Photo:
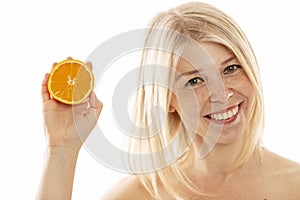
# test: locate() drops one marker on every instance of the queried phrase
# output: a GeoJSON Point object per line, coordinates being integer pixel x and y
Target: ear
{"type": "Point", "coordinates": [171, 109]}
{"type": "Point", "coordinates": [172, 104]}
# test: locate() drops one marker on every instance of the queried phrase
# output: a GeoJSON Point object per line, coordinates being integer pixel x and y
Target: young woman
{"type": "Point", "coordinates": [213, 98]}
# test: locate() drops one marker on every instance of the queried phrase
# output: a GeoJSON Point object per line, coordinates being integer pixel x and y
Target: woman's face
{"type": "Point", "coordinates": [218, 94]}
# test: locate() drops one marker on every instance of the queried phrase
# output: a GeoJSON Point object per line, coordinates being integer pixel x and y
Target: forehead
{"type": "Point", "coordinates": [215, 54]}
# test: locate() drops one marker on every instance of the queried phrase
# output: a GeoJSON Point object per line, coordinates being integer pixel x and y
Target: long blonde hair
{"type": "Point", "coordinates": [201, 22]}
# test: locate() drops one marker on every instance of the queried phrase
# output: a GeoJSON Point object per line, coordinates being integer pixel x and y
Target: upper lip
{"type": "Point", "coordinates": [223, 110]}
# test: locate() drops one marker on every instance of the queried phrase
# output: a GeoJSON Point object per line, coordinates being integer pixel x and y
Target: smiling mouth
{"type": "Point", "coordinates": [227, 116]}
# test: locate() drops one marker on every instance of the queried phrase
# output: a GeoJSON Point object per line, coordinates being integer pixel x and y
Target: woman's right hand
{"type": "Point", "coordinates": [65, 126]}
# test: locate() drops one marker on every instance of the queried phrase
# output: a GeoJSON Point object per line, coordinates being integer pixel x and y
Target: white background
{"type": "Point", "coordinates": [34, 34]}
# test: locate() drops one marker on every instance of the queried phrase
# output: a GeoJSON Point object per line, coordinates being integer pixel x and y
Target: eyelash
{"type": "Point", "coordinates": [199, 80]}
{"type": "Point", "coordinates": [235, 66]}
{"type": "Point", "coordinates": [192, 83]}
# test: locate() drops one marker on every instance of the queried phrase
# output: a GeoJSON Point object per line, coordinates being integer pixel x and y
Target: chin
{"type": "Point", "coordinates": [230, 138]}
{"type": "Point", "coordinates": [226, 136]}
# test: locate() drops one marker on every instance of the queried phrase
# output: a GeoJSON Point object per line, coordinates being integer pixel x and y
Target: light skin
{"type": "Point", "coordinates": [207, 173]}
{"type": "Point", "coordinates": [63, 142]}
{"type": "Point", "coordinates": [276, 178]}
{"type": "Point", "coordinates": [238, 94]}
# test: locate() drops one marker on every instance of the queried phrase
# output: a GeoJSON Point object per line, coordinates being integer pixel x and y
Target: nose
{"type": "Point", "coordinates": [228, 93]}
{"type": "Point", "coordinates": [221, 96]}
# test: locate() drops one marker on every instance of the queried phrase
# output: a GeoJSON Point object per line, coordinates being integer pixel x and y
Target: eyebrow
{"type": "Point", "coordinates": [228, 60]}
{"type": "Point", "coordinates": [187, 73]}
{"type": "Point", "coordinates": [199, 71]}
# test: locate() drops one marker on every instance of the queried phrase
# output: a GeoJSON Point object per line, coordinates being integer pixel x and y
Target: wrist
{"type": "Point", "coordinates": [60, 150]}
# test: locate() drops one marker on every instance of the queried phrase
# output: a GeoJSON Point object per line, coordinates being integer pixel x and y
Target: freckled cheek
{"type": "Point", "coordinates": [192, 102]}
{"type": "Point", "coordinates": [188, 105]}
{"type": "Point", "coordinates": [245, 88]}
{"type": "Point", "coordinates": [203, 97]}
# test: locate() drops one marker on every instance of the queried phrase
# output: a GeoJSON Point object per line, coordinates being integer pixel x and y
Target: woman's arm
{"type": "Point", "coordinates": [66, 128]}
{"type": "Point", "coordinates": [58, 175]}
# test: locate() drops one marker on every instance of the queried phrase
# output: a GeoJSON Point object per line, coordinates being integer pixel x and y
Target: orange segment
{"type": "Point", "coordinates": [71, 82]}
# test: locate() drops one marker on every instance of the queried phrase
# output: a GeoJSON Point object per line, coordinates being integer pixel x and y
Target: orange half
{"type": "Point", "coordinates": [70, 82]}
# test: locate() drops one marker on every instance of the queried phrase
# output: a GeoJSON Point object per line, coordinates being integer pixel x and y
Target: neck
{"type": "Point", "coordinates": [221, 156]}
{"type": "Point", "coordinates": [213, 166]}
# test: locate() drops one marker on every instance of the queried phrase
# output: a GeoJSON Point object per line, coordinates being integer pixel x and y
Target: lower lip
{"type": "Point", "coordinates": [227, 121]}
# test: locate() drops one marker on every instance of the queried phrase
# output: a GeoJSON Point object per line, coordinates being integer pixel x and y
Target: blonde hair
{"type": "Point", "coordinates": [201, 22]}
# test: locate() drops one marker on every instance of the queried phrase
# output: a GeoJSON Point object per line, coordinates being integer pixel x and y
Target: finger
{"type": "Point", "coordinates": [95, 104]}
{"type": "Point", "coordinates": [44, 91]}
{"type": "Point", "coordinates": [90, 65]}
{"type": "Point", "coordinates": [81, 106]}
{"type": "Point", "coordinates": [53, 65]}
{"type": "Point", "coordinates": [69, 58]}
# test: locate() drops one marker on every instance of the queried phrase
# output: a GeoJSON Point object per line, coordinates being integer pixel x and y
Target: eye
{"type": "Point", "coordinates": [194, 81]}
{"type": "Point", "coordinates": [231, 68]}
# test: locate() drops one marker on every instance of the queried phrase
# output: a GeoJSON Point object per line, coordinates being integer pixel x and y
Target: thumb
{"type": "Point", "coordinates": [95, 104]}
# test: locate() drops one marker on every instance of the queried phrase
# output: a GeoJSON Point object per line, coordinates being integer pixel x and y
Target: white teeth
{"type": "Point", "coordinates": [220, 116]}
{"type": "Point", "coordinates": [225, 115]}
{"type": "Point", "coordinates": [230, 114]}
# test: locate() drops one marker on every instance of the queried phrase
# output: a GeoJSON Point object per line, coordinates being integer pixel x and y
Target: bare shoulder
{"type": "Point", "coordinates": [284, 171]}
{"type": "Point", "coordinates": [127, 188]}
